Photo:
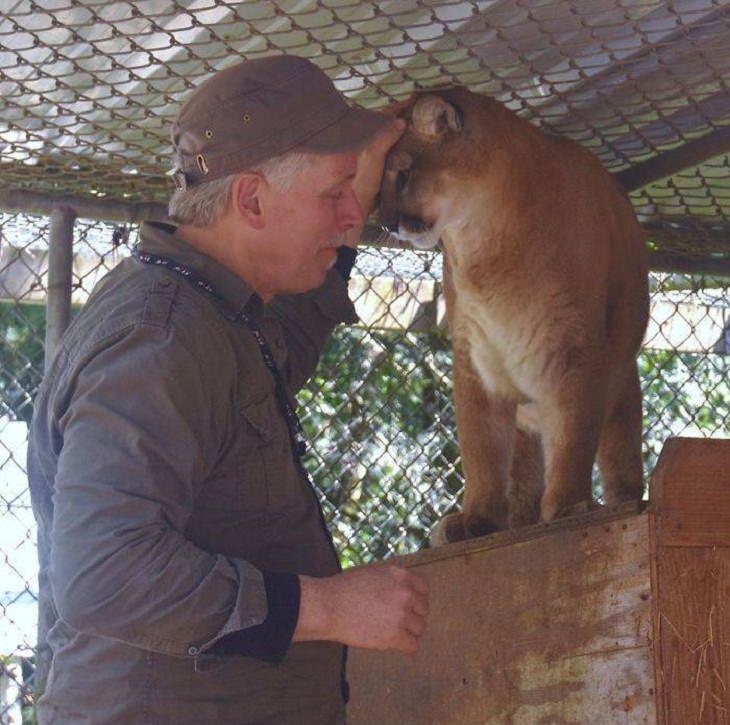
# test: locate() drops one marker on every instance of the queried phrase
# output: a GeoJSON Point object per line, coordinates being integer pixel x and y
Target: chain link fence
{"type": "Point", "coordinates": [88, 90]}
{"type": "Point", "coordinates": [378, 410]}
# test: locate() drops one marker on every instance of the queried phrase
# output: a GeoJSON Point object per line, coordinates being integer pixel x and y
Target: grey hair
{"type": "Point", "coordinates": [205, 203]}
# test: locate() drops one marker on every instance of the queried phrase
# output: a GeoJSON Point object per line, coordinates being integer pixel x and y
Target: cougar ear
{"type": "Point", "coordinates": [433, 116]}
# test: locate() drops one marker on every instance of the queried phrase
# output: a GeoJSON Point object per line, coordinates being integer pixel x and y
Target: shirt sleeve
{"type": "Point", "coordinates": [307, 320]}
{"type": "Point", "coordinates": [269, 640]}
{"type": "Point", "coordinates": [141, 430]}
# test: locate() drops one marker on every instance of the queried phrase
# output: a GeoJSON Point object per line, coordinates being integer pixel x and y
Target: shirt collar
{"type": "Point", "coordinates": [159, 238]}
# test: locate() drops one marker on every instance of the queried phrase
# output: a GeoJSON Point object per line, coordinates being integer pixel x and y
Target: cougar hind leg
{"type": "Point", "coordinates": [619, 445]}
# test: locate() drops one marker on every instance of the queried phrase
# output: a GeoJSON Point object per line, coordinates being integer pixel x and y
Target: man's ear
{"type": "Point", "coordinates": [246, 198]}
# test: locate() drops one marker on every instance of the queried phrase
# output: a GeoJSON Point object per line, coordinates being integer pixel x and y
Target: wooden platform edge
{"type": "Point", "coordinates": [547, 625]}
{"type": "Point", "coordinates": [690, 487]}
{"type": "Point", "coordinates": [528, 533]}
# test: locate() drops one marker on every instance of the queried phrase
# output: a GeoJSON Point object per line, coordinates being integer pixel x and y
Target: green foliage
{"type": "Point", "coordinates": [684, 394]}
{"type": "Point", "coordinates": [27, 694]}
{"type": "Point", "coordinates": [379, 414]}
{"type": "Point", "coordinates": [386, 459]}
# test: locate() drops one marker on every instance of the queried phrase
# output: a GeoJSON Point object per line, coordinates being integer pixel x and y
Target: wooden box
{"type": "Point", "coordinates": [619, 616]}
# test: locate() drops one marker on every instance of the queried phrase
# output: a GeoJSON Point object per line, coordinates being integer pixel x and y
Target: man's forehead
{"type": "Point", "coordinates": [325, 171]}
{"type": "Point", "coordinates": [341, 166]}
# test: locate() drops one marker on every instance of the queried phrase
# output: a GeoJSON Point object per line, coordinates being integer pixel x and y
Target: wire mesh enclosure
{"type": "Point", "coordinates": [378, 411]}
{"type": "Point", "coordinates": [88, 90]}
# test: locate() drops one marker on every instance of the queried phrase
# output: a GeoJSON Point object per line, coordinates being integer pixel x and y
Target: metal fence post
{"type": "Point", "coordinates": [60, 267]}
{"type": "Point", "coordinates": [58, 315]}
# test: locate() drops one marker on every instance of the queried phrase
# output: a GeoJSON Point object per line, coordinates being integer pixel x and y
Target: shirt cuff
{"type": "Point", "coordinates": [345, 261]}
{"type": "Point", "coordinates": [269, 640]}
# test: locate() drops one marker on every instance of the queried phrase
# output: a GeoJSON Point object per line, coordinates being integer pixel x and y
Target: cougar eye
{"type": "Point", "coordinates": [402, 179]}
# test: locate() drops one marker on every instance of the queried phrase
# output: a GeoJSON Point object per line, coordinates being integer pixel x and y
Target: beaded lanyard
{"type": "Point", "coordinates": [292, 421]}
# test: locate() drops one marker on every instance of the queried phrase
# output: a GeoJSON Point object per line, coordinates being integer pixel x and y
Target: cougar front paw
{"type": "Point", "coordinates": [457, 527]}
{"type": "Point", "coordinates": [576, 509]}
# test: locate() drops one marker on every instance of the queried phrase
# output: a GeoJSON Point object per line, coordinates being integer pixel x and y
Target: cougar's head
{"type": "Point", "coordinates": [420, 188]}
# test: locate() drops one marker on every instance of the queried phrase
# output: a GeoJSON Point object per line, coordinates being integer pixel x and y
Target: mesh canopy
{"type": "Point", "coordinates": [89, 88]}
{"type": "Point", "coordinates": [88, 92]}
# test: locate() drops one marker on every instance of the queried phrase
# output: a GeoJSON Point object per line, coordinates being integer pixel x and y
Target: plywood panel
{"type": "Point", "coordinates": [552, 629]}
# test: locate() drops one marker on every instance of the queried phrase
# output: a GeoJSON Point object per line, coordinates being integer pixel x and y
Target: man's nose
{"type": "Point", "coordinates": [350, 213]}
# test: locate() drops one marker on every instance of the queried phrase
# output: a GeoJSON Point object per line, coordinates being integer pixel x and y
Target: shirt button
{"type": "Point", "coordinates": [192, 651]}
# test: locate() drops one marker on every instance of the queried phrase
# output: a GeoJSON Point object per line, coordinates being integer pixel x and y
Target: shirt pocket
{"type": "Point", "coordinates": [256, 474]}
{"type": "Point", "coordinates": [262, 458]}
{"type": "Point", "coordinates": [266, 459]}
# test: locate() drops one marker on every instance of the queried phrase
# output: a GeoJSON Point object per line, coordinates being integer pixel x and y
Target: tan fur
{"type": "Point", "coordinates": [546, 289]}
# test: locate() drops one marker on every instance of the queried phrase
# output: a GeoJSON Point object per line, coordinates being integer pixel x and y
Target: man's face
{"type": "Point", "coordinates": [305, 224]}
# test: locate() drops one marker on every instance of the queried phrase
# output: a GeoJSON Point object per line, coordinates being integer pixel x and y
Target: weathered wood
{"type": "Point", "coordinates": [693, 633]}
{"type": "Point", "coordinates": [600, 517]}
{"type": "Point", "coordinates": [691, 490]}
{"type": "Point", "coordinates": [553, 628]}
{"type": "Point", "coordinates": [690, 528]}
{"type": "Point", "coordinates": [608, 618]}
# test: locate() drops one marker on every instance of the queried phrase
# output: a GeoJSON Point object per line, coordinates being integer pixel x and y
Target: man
{"type": "Point", "coordinates": [186, 572]}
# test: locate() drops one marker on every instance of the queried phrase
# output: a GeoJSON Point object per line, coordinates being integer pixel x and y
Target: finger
{"type": "Point", "coordinates": [395, 130]}
{"type": "Point", "coordinates": [418, 582]}
{"type": "Point", "coordinates": [393, 109]}
{"type": "Point", "coordinates": [397, 127]}
{"type": "Point", "coordinates": [399, 573]}
{"type": "Point", "coordinates": [415, 626]}
{"type": "Point", "coordinates": [420, 606]}
{"type": "Point", "coordinates": [408, 644]}
{"type": "Point", "coordinates": [380, 145]}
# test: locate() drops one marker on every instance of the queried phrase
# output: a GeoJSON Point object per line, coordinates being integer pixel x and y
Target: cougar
{"type": "Point", "coordinates": [545, 281]}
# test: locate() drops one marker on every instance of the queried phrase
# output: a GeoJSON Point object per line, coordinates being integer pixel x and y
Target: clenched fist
{"type": "Point", "coordinates": [373, 607]}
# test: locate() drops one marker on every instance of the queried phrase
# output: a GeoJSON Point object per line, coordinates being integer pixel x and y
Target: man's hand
{"type": "Point", "coordinates": [370, 163]}
{"type": "Point", "coordinates": [373, 607]}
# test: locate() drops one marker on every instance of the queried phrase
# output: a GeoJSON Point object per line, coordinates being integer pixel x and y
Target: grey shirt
{"type": "Point", "coordinates": [170, 502]}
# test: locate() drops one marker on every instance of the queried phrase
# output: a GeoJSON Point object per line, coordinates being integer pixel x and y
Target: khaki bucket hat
{"type": "Point", "coordinates": [262, 108]}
